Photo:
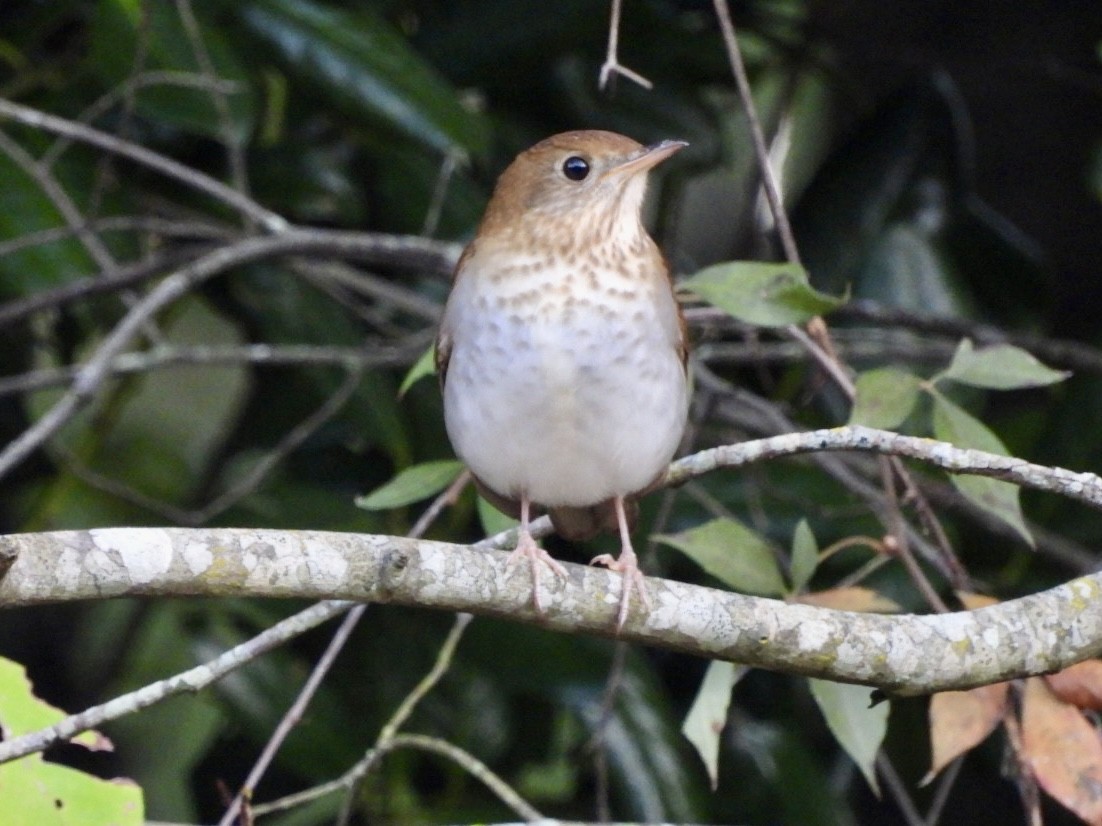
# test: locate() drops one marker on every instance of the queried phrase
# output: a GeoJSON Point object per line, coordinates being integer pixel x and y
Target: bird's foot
{"type": "Point", "coordinates": [628, 568]}
{"type": "Point", "coordinates": [537, 557]}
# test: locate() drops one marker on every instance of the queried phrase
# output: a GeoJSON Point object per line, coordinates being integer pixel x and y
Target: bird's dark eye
{"type": "Point", "coordinates": [575, 168]}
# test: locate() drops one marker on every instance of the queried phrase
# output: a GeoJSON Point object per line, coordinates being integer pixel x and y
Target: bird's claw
{"type": "Point", "coordinates": [536, 556]}
{"type": "Point", "coordinates": [633, 580]}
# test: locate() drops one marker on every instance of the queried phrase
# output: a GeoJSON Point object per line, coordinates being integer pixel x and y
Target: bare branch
{"type": "Point", "coordinates": [140, 155]}
{"type": "Point", "coordinates": [401, 354]}
{"type": "Point", "coordinates": [1074, 355]}
{"type": "Point", "coordinates": [372, 248]}
{"type": "Point", "coordinates": [1082, 487]}
{"type": "Point", "coordinates": [61, 201]}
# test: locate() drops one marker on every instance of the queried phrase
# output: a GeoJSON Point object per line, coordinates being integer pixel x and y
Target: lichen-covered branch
{"type": "Point", "coordinates": [903, 655]}
{"type": "Point", "coordinates": [1082, 487]}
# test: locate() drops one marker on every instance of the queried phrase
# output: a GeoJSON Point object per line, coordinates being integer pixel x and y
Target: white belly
{"type": "Point", "coordinates": [569, 405]}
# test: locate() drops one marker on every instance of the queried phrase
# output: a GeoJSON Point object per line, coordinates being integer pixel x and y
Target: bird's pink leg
{"type": "Point", "coordinates": [627, 565]}
{"type": "Point", "coordinates": [527, 548]}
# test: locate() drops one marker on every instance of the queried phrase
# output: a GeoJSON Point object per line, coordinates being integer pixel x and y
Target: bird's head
{"type": "Point", "coordinates": [575, 187]}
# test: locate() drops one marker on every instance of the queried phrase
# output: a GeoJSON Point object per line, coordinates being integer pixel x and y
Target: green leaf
{"type": "Point", "coordinates": [908, 267]}
{"type": "Point", "coordinates": [160, 639]}
{"type": "Point", "coordinates": [161, 432]}
{"type": "Point", "coordinates": [999, 367]}
{"type": "Point", "coordinates": [708, 715]}
{"type": "Point", "coordinates": [493, 521]}
{"type": "Point", "coordinates": [34, 792]}
{"type": "Point", "coordinates": [424, 366]}
{"type": "Point", "coordinates": [858, 728]}
{"type": "Point", "coordinates": [805, 556]}
{"type": "Point", "coordinates": [733, 554]}
{"type": "Point", "coordinates": [766, 294]}
{"type": "Point", "coordinates": [412, 485]}
{"type": "Point", "coordinates": [359, 64]}
{"type": "Point", "coordinates": [24, 210]}
{"type": "Point", "coordinates": [651, 771]}
{"type": "Point", "coordinates": [885, 398]}
{"type": "Point", "coordinates": [646, 753]}
{"type": "Point", "coordinates": [954, 425]}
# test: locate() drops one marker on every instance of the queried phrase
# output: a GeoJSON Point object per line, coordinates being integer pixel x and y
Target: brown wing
{"type": "Point", "coordinates": [682, 327]}
{"type": "Point", "coordinates": [443, 349]}
{"type": "Point", "coordinates": [442, 353]}
{"type": "Point", "coordinates": [509, 507]}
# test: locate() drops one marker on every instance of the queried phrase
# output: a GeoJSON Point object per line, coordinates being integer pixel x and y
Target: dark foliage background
{"type": "Point", "coordinates": [941, 159]}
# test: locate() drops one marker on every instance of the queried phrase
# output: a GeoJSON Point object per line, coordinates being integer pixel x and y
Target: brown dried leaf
{"type": "Point", "coordinates": [961, 720]}
{"type": "Point", "coordinates": [1079, 684]}
{"type": "Point", "coordinates": [1063, 750]}
{"type": "Point", "coordinates": [854, 598]}
{"type": "Point", "coordinates": [95, 741]}
{"type": "Point", "coordinates": [973, 601]}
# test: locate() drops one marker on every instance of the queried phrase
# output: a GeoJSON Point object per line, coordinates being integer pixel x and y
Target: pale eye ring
{"type": "Point", "coordinates": [575, 168]}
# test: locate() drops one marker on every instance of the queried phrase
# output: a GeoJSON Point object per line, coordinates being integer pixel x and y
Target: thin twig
{"type": "Point", "coordinates": [400, 354]}
{"type": "Point", "coordinates": [143, 35]}
{"type": "Point", "coordinates": [230, 138]}
{"type": "Point", "coordinates": [957, 574]}
{"type": "Point", "coordinates": [378, 249]}
{"type": "Point", "coordinates": [295, 713]}
{"type": "Point", "coordinates": [395, 296]}
{"type": "Point", "coordinates": [124, 92]}
{"type": "Point", "coordinates": [61, 200]}
{"type": "Point", "coordinates": [945, 785]}
{"type": "Point", "coordinates": [321, 668]}
{"type": "Point", "coordinates": [117, 223]}
{"type": "Point", "coordinates": [467, 761]}
{"type": "Point", "coordinates": [389, 731]}
{"type": "Point", "coordinates": [190, 681]}
{"type": "Point", "coordinates": [287, 444]}
{"type": "Point", "coordinates": [1074, 355]}
{"type": "Point", "coordinates": [898, 790]}
{"type": "Point", "coordinates": [757, 136]}
{"type": "Point", "coordinates": [817, 337]}
{"type": "Point", "coordinates": [612, 65]}
{"type": "Point", "coordinates": [902, 549]}
{"type": "Point", "coordinates": [439, 193]}
{"type": "Point", "coordinates": [596, 744]}
{"type": "Point", "coordinates": [444, 500]}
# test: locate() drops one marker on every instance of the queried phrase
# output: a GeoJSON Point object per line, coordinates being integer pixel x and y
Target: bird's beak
{"type": "Point", "coordinates": [647, 157]}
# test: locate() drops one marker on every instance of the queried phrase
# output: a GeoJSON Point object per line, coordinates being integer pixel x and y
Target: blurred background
{"type": "Point", "coordinates": [940, 160]}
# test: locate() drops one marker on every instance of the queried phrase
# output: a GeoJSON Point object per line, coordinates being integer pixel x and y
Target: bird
{"type": "Point", "coordinates": [562, 351]}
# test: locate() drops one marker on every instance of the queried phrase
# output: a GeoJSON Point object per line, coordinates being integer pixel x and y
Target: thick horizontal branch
{"type": "Point", "coordinates": [904, 655]}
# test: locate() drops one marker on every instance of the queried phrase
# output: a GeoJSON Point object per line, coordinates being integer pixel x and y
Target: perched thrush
{"type": "Point", "coordinates": [562, 350]}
